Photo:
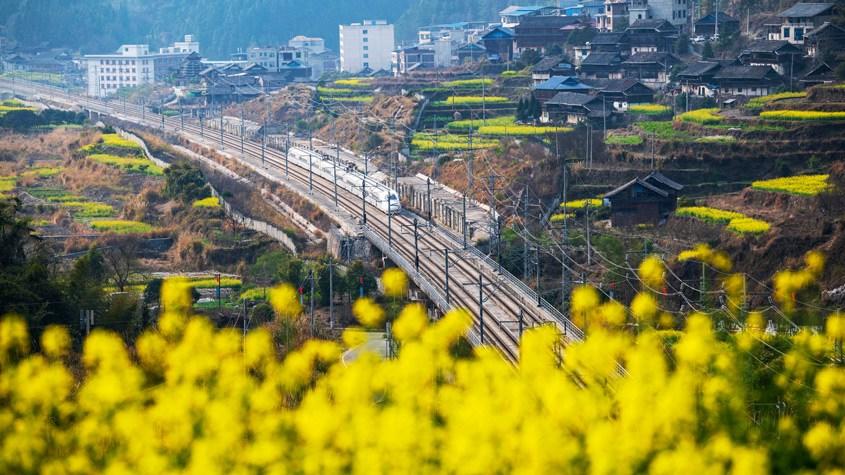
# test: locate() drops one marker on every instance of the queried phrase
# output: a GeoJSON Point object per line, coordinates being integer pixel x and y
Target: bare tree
{"type": "Point", "coordinates": [120, 257]}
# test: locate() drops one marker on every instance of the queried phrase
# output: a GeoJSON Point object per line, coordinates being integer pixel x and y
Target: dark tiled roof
{"type": "Point", "coordinates": [547, 63]}
{"type": "Point", "coordinates": [769, 46]}
{"type": "Point", "coordinates": [614, 85]}
{"type": "Point", "coordinates": [804, 10]}
{"type": "Point", "coordinates": [826, 27]}
{"type": "Point", "coordinates": [744, 72]}
{"type": "Point", "coordinates": [653, 23]}
{"type": "Point", "coordinates": [571, 99]}
{"type": "Point", "coordinates": [601, 59]}
{"type": "Point", "coordinates": [663, 180]}
{"type": "Point", "coordinates": [698, 68]}
{"type": "Point", "coordinates": [652, 57]}
{"type": "Point", "coordinates": [607, 38]}
{"type": "Point", "coordinates": [637, 181]}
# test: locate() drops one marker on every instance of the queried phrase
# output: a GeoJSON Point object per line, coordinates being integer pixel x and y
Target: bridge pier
{"type": "Point", "coordinates": [345, 248]}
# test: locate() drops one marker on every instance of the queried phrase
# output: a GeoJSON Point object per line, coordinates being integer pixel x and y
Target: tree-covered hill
{"type": "Point", "coordinates": [222, 26]}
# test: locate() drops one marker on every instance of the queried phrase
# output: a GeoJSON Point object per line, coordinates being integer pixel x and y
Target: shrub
{"type": "Point", "coordinates": [804, 185]}
{"type": "Point", "coordinates": [809, 116]}
{"type": "Point", "coordinates": [120, 226]}
{"type": "Point", "coordinates": [702, 116]}
{"type": "Point", "coordinates": [649, 109]}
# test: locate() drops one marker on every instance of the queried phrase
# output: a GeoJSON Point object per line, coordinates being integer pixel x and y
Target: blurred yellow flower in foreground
{"type": "Point", "coordinates": [395, 282]}
{"type": "Point", "coordinates": [285, 300]}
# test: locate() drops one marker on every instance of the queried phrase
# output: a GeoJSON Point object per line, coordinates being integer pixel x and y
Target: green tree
{"type": "Point", "coordinates": [358, 278]}
{"type": "Point", "coordinates": [185, 182]}
{"type": "Point", "coordinates": [707, 51]}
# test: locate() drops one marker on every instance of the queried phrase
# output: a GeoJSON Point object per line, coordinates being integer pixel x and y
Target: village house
{"type": "Point", "coordinates": [697, 79]}
{"type": "Point", "coordinates": [649, 200]}
{"type": "Point", "coordinates": [653, 69]}
{"type": "Point", "coordinates": [799, 20]}
{"type": "Point", "coordinates": [618, 94]}
{"type": "Point", "coordinates": [706, 26]}
{"type": "Point", "coordinates": [820, 73]}
{"type": "Point", "coordinates": [601, 66]}
{"type": "Point", "coordinates": [471, 52]}
{"type": "Point", "coordinates": [551, 66]}
{"type": "Point", "coordinates": [749, 81]}
{"type": "Point", "coordinates": [555, 84]}
{"type": "Point", "coordinates": [573, 108]}
{"type": "Point", "coordinates": [652, 36]}
{"type": "Point", "coordinates": [541, 32]}
{"type": "Point", "coordinates": [824, 41]}
{"type": "Point", "coordinates": [610, 43]}
{"type": "Point", "coordinates": [782, 56]}
{"type": "Point", "coordinates": [615, 16]}
{"type": "Point", "coordinates": [499, 44]}
{"type": "Point", "coordinates": [515, 14]}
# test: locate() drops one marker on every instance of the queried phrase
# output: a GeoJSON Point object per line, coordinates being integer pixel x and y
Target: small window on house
{"type": "Point", "coordinates": [366, 56]}
{"type": "Point", "coordinates": [365, 32]}
{"type": "Point", "coordinates": [786, 32]}
{"type": "Point", "coordinates": [366, 40]}
{"type": "Point", "coordinates": [366, 47]}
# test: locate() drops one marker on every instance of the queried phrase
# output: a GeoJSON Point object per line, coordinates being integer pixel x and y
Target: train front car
{"type": "Point", "coordinates": [393, 204]}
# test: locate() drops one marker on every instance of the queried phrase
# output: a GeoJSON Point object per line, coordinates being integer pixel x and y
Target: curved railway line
{"type": "Point", "coordinates": [495, 299]}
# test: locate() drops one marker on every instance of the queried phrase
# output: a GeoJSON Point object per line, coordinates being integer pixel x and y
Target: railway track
{"type": "Point", "coordinates": [497, 301]}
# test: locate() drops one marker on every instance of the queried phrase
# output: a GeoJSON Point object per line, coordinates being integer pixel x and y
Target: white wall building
{"type": "Point", "coordinates": [134, 65]}
{"type": "Point", "coordinates": [368, 44]}
{"type": "Point", "coordinates": [312, 45]}
{"type": "Point", "coordinates": [677, 12]}
{"type": "Point", "coordinates": [273, 58]}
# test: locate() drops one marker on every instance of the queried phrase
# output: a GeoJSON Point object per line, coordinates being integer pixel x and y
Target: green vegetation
{"type": "Point", "coordinates": [574, 205]}
{"type": "Point", "coordinates": [471, 100]}
{"type": "Point", "coordinates": [55, 195]}
{"type": "Point", "coordinates": [514, 74]}
{"type": "Point", "coordinates": [759, 102]}
{"type": "Point", "coordinates": [211, 282]}
{"type": "Point", "coordinates": [120, 226]}
{"type": "Point", "coordinates": [185, 182]}
{"type": "Point", "coordinates": [128, 164]}
{"type": "Point", "coordinates": [425, 142]}
{"type": "Point", "coordinates": [804, 185]}
{"type": "Point", "coordinates": [49, 78]}
{"type": "Point", "coordinates": [336, 91]}
{"type": "Point", "coordinates": [662, 129]}
{"type": "Point", "coordinates": [358, 99]}
{"type": "Point", "coordinates": [354, 82]}
{"type": "Point", "coordinates": [649, 109]}
{"type": "Point", "coordinates": [702, 116]}
{"type": "Point", "coordinates": [796, 115]}
{"type": "Point", "coordinates": [723, 139]}
{"type": "Point", "coordinates": [615, 139]}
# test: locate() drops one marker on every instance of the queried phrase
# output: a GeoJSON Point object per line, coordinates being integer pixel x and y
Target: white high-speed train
{"type": "Point", "coordinates": [376, 193]}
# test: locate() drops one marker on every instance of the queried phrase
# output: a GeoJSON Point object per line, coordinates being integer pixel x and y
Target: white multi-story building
{"type": "Point", "coordinates": [134, 65]}
{"type": "Point", "coordinates": [312, 45]}
{"type": "Point", "coordinates": [368, 44]}
{"type": "Point", "coordinates": [273, 58]}
{"type": "Point", "coordinates": [676, 12]}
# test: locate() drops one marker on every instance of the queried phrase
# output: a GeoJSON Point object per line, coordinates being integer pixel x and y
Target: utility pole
{"type": "Point", "coordinates": [446, 274]}
{"type": "Point", "coordinates": [310, 173]}
{"type": "Point", "coordinates": [539, 294]}
{"type": "Point", "coordinates": [202, 120]}
{"type": "Point", "coordinates": [587, 233]}
{"type": "Point", "coordinates": [465, 221]}
{"type": "Point", "coordinates": [428, 198]}
{"type": "Point", "coordinates": [311, 303]}
{"type": "Point", "coordinates": [364, 198]}
{"type": "Point", "coordinates": [287, 147]}
{"type": "Point", "coordinates": [481, 305]}
{"type": "Point", "coordinates": [221, 126]}
{"type": "Point", "coordinates": [331, 294]}
{"type": "Point", "coordinates": [243, 129]}
{"type": "Point", "coordinates": [525, 232]}
{"type": "Point", "coordinates": [389, 229]}
{"type": "Point", "coordinates": [181, 115]}
{"type": "Point", "coordinates": [416, 247]}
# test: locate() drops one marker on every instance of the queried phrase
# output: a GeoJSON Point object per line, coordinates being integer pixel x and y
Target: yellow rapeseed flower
{"type": "Point", "coordinates": [652, 272]}
{"type": "Point", "coordinates": [368, 312]}
{"type": "Point", "coordinates": [395, 282]}
{"type": "Point", "coordinates": [285, 301]}
{"type": "Point", "coordinates": [55, 341]}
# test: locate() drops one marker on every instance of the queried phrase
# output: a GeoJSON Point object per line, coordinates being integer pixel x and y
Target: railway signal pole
{"type": "Point", "coordinates": [416, 246]}
{"type": "Point", "coordinates": [446, 252]}
{"type": "Point", "coordinates": [310, 173]}
{"type": "Point", "coordinates": [364, 199]}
